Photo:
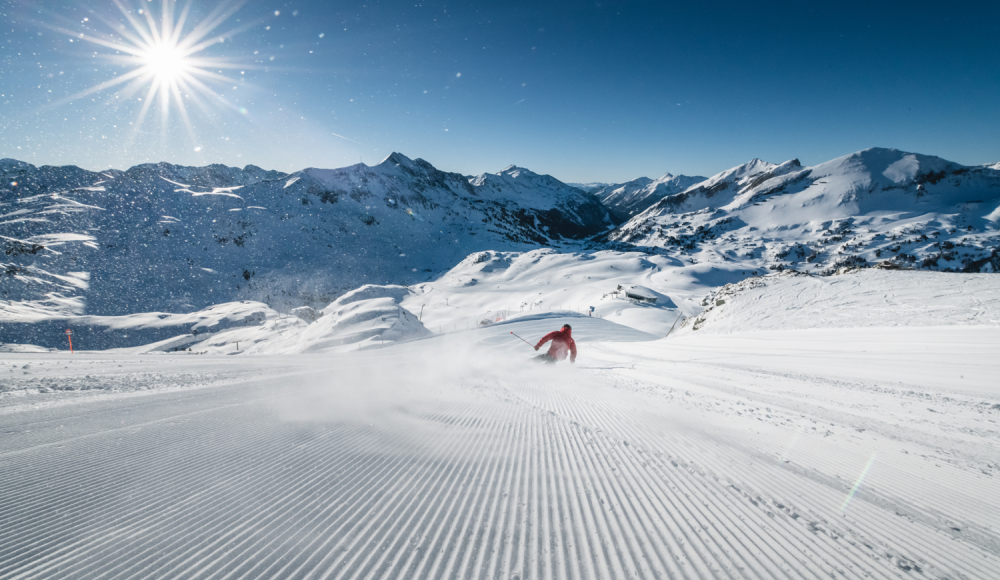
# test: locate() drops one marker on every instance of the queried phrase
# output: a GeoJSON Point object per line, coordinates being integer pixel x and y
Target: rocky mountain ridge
{"type": "Point", "coordinates": [161, 237]}
{"type": "Point", "coordinates": [877, 205]}
{"type": "Point", "coordinates": [632, 197]}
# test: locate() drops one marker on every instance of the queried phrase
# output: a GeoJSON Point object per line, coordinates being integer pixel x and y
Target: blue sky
{"type": "Point", "coordinates": [585, 91]}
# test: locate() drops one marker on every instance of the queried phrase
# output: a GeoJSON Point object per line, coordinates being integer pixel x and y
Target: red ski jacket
{"type": "Point", "coordinates": [562, 342]}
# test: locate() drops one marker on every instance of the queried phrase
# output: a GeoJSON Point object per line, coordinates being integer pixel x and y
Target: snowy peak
{"type": "Point", "coordinates": [207, 177]}
{"type": "Point", "coordinates": [720, 189]}
{"type": "Point", "coordinates": [741, 176]}
{"type": "Point", "coordinates": [518, 178]}
{"type": "Point", "coordinates": [14, 166]}
{"type": "Point", "coordinates": [870, 206]}
{"type": "Point", "coordinates": [635, 196]}
{"type": "Point", "coordinates": [871, 161]}
{"type": "Point", "coordinates": [515, 172]}
{"type": "Point", "coordinates": [753, 167]}
{"type": "Point", "coordinates": [878, 178]}
{"type": "Point", "coordinates": [527, 188]}
{"type": "Point", "coordinates": [397, 160]}
{"type": "Point", "coordinates": [886, 166]}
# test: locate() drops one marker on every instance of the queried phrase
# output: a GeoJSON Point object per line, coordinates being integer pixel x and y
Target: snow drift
{"type": "Point", "coordinates": [866, 298]}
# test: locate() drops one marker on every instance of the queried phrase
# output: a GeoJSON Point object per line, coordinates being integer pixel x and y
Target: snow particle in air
{"type": "Point", "coordinates": [458, 75]}
{"type": "Point", "coordinates": [322, 34]}
{"type": "Point", "coordinates": [277, 12]}
{"type": "Point", "coordinates": [197, 149]}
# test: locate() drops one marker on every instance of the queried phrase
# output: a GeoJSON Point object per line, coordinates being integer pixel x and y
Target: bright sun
{"type": "Point", "coordinates": [165, 62]}
{"type": "Point", "coordinates": [168, 66]}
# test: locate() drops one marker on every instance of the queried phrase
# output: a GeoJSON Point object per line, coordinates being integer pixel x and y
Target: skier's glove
{"type": "Point", "coordinates": [536, 348]}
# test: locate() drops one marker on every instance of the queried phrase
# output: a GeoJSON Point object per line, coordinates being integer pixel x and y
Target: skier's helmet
{"type": "Point", "coordinates": [567, 327]}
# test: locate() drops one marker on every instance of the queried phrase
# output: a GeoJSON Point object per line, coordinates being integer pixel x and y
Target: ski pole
{"type": "Point", "coordinates": [525, 342]}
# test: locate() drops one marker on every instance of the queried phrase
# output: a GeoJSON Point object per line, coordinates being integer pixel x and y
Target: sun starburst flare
{"type": "Point", "coordinates": [168, 64]}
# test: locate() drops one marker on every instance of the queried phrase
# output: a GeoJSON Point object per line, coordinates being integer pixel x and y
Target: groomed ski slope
{"type": "Point", "coordinates": [777, 454]}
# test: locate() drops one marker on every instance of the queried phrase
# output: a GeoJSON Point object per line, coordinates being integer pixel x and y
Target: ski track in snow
{"type": "Point", "coordinates": [666, 459]}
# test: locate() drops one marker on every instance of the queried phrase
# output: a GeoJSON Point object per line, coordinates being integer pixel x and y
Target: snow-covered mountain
{"type": "Point", "coordinates": [164, 240]}
{"type": "Point", "coordinates": [876, 205]}
{"type": "Point", "coordinates": [559, 209]}
{"type": "Point", "coordinates": [632, 197]}
{"type": "Point", "coordinates": [162, 237]}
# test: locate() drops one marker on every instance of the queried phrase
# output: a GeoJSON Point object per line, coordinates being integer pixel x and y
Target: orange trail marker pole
{"type": "Point", "coordinates": [69, 336]}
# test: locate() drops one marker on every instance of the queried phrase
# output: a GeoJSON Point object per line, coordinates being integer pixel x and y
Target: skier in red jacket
{"type": "Point", "coordinates": [562, 343]}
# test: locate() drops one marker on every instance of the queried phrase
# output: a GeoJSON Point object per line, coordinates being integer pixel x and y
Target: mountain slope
{"type": "Point", "coordinates": [871, 206]}
{"type": "Point", "coordinates": [161, 237]}
{"type": "Point", "coordinates": [632, 197]}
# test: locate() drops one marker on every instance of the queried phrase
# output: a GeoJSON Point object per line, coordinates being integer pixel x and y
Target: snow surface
{"type": "Point", "coordinates": [887, 299]}
{"type": "Point", "coordinates": [832, 449]}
